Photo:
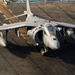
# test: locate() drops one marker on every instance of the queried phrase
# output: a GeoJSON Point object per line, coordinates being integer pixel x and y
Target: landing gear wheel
{"type": "Point", "coordinates": [43, 51]}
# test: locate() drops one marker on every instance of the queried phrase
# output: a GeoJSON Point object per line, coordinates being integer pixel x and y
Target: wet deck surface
{"type": "Point", "coordinates": [19, 58]}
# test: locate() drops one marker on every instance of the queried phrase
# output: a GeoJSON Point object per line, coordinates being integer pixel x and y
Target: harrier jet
{"type": "Point", "coordinates": [44, 33]}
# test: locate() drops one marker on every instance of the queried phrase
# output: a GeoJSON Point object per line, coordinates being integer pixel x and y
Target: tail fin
{"type": "Point", "coordinates": [28, 8]}
{"type": "Point", "coordinates": [28, 12]}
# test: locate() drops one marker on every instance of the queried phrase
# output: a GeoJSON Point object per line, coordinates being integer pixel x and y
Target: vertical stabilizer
{"type": "Point", "coordinates": [28, 8]}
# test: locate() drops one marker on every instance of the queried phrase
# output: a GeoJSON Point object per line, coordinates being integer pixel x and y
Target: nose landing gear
{"type": "Point", "coordinates": [43, 51]}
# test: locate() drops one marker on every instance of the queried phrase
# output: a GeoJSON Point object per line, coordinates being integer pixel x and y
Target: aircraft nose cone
{"type": "Point", "coordinates": [54, 44]}
{"type": "Point", "coordinates": [57, 45]}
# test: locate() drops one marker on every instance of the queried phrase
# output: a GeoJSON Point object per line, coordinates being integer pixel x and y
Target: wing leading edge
{"type": "Point", "coordinates": [63, 25]}
{"type": "Point", "coordinates": [16, 25]}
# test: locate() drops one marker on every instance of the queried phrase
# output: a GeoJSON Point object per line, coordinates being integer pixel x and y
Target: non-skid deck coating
{"type": "Point", "coordinates": [20, 58]}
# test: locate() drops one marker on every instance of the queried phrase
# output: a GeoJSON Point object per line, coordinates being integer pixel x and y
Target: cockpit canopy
{"type": "Point", "coordinates": [51, 30]}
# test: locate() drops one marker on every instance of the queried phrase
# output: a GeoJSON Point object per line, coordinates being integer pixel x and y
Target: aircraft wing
{"type": "Point", "coordinates": [16, 25]}
{"type": "Point", "coordinates": [62, 24]}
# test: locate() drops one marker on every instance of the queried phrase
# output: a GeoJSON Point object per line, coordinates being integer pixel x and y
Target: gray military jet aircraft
{"type": "Point", "coordinates": [44, 33]}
